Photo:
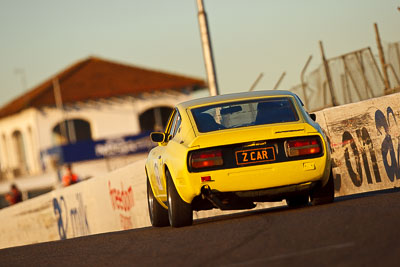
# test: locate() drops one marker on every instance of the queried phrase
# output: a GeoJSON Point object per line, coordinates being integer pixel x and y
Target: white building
{"type": "Point", "coordinates": [93, 102]}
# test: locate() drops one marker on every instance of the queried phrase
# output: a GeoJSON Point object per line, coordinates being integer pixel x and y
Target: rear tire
{"type": "Point", "coordinates": [325, 194]}
{"type": "Point", "coordinates": [157, 213]}
{"type": "Point", "coordinates": [180, 213]}
{"type": "Point", "coordinates": [297, 201]}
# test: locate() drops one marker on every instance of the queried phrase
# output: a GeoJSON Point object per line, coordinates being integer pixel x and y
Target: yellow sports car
{"type": "Point", "coordinates": [230, 151]}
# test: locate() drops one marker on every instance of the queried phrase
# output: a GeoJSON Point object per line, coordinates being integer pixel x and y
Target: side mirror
{"type": "Point", "coordinates": [157, 137]}
{"type": "Point", "coordinates": [313, 116]}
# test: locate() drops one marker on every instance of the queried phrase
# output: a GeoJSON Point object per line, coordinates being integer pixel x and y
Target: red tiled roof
{"type": "Point", "coordinates": [96, 78]}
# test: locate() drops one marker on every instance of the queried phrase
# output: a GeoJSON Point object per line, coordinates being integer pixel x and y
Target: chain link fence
{"type": "Point", "coordinates": [355, 76]}
{"type": "Point", "coordinates": [392, 55]}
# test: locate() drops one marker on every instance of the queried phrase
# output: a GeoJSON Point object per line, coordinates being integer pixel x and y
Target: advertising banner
{"type": "Point", "coordinates": [106, 148]}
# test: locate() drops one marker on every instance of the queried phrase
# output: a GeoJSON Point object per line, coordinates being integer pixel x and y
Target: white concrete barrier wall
{"type": "Point", "coordinates": [365, 144]}
{"type": "Point", "coordinates": [364, 138]}
{"type": "Point", "coordinates": [113, 202]}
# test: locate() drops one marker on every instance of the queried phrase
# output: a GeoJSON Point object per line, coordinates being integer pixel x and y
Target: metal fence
{"type": "Point", "coordinates": [392, 54]}
{"type": "Point", "coordinates": [355, 76]}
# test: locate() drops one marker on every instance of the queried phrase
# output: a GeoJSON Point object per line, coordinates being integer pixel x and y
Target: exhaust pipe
{"type": "Point", "coordinates": [229, 202]}
{"type": "Point", "coordinates": [210, 196]}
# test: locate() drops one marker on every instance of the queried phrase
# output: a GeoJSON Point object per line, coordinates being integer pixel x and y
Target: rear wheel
{"type": "Point", "coordinates": [325, 194]}
{"type": "Point", "coordinates": [158, 214]}
{"type": "Point", "coordinates": [180, 213]}
{"type": "Point", "coordinates": [297, 201]}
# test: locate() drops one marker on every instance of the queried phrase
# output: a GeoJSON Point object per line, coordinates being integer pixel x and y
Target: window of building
{"type": "Point", "coordinates": [5, 161]}
{"type": "Point", "coordinates": [20, 153]}
{"type": "Point", "coordinates": [71, 131]}
{"type": "Point", "coordinates": [154, 119]}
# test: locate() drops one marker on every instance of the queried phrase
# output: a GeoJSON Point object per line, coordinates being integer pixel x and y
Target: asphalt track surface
{"type": "Point", "coordinates": [362, 230]}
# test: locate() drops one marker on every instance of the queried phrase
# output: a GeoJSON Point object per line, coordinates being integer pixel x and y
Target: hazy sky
{"type": "Point", "coordinates": [42, 37]}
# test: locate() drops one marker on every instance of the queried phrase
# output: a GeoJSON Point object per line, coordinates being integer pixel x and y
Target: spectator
{"type": "Point", "coordinates": [70, 178]}
{"type": "Point", "coordinates": [14, 196]}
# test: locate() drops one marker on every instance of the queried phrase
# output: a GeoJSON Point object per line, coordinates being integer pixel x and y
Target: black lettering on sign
{"type": "Point", "coordinates": [58, 211]}
{"type": "Point", "coordinates": [360, 154]}
{"type": "Point", "coordinates": [387, 148]}
{"type": "Point", "coordinates": [337, 179]}
{"type": "Point", "coordinates": [79, 222]}
{"type": "Point", "coordinates": [77, 216]}
{"type": "Point", "coordinates": [356, 177]}
{"type": "Point", "coordinates": [367, 146]}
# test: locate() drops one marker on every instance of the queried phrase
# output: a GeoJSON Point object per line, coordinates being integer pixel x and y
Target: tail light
{"type": "Point", "coordinates": [303, 147]}
{"type": "Point", "coordinates": [206, 159]}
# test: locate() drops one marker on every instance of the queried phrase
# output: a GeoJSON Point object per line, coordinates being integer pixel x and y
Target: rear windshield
{"type": "Point", "coordinates": [245, 113]}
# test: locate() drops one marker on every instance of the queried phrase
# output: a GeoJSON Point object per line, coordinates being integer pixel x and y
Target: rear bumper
{"type": "Point", "coordinates": [263, 180]}
{"type": "Point", "coordinates": [278, 193]}
{"type": "Point", "coordinates": [245, 199]}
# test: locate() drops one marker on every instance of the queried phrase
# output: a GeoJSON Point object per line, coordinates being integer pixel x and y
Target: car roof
{"type": "Point", "coordinates": [235, 96]}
